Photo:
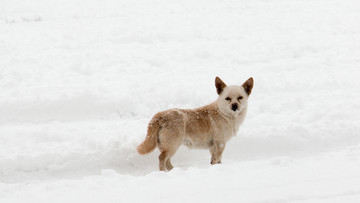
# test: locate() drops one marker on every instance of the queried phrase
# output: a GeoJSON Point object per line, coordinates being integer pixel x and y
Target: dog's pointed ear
{"type": "Point", "coordinates": [248, 85]}
{"type": "Point", "coordinates": [219, 84]}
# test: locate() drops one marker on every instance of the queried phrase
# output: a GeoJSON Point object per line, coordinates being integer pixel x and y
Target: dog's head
{"type": "Point", "coordinates": [233, 99]}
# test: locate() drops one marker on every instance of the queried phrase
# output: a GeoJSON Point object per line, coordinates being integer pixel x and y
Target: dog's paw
{"type": "Point", "coordinates": [215, 162]}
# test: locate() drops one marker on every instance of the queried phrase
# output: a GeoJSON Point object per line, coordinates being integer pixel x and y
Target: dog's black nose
{"type": "Point", "coordinates": [234, 107]}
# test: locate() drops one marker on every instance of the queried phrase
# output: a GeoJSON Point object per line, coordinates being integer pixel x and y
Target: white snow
{"type": "Point", "coordinates": [79, 81]}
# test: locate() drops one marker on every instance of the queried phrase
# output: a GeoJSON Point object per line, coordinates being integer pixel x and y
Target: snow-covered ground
{"type": "Point", "coordinates": [79, 81]}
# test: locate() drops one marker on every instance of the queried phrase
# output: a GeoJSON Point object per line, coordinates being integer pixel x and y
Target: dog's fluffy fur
{"type": "Point", "coordinates": [208, 127]}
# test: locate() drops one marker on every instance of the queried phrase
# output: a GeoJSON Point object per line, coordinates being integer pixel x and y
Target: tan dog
{"type": "Point", "coordinates": [208, 127]}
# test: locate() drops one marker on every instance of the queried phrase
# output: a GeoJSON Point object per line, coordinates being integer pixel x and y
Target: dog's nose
{"type": "Point", "coordinates": [234, 107]}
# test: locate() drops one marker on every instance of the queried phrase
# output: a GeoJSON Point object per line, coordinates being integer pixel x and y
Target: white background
{"type": "Point", "coordinates": [79, 81]}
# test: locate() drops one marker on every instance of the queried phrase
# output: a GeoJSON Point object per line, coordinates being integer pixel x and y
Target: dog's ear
{"type": "Point", "coordinates": [248, 85]}
{"type": "Point", "coordinates": [219, 84]}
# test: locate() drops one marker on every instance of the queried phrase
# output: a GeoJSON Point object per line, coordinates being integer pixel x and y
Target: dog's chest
{"type": "Point", "coordinates": [228, 131]}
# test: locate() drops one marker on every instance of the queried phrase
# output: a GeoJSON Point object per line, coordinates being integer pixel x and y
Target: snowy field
{"type": "Point", "coordinates": [80, 80]}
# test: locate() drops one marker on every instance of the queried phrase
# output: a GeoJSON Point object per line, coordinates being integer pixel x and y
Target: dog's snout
{"type": "Point", "coordinates": [234, 107]}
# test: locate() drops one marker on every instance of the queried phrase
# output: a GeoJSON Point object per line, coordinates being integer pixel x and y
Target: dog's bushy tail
{"type": "Point", "coordinates": [151, 139]}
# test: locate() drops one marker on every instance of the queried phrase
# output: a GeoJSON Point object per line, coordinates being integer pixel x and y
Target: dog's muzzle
{"type": "Point", "coordinates": [234, 107]}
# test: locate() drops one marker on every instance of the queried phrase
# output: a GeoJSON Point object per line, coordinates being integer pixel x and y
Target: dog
{"type": "Point", "coordinates": [207, 127]}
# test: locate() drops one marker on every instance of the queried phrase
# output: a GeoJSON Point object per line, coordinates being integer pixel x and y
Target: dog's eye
{"type": "Point", "coordinates": [240, 98]}
{"type": "Point", "coordinates": [228, 99]}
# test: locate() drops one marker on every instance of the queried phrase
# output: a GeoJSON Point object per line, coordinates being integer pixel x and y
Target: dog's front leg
{"type": "Point", "coordinates": [216, 149]}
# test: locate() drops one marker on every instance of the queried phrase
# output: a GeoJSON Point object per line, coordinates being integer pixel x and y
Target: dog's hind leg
{"type": "Point", "coordinates": [170, 138]}
{"type": "Point", "coordinates": [169, 166]}
{"type": "Point", "coordinates": [166, 154]}
{"type": "Point", "coordinates": [171, 153]}
{"type": "Point", "coordinates": [162, 160]}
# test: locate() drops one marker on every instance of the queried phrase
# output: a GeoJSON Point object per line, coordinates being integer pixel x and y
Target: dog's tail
{"type": "Point", "coordinates": [151, 139]}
